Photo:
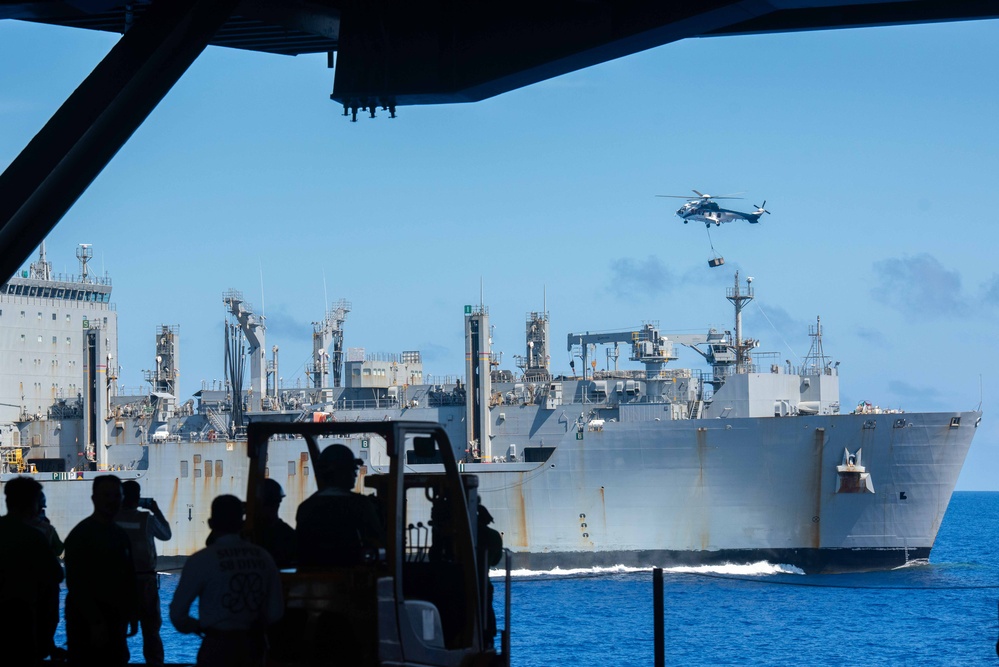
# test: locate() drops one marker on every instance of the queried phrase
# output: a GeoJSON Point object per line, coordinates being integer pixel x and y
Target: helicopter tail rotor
{"type": "Point", "coordinates": [762, 209]}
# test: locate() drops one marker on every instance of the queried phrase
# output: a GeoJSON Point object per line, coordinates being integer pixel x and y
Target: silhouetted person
{"type": "Point", "coordinates": [100, 582]}
{"type": "Point", "coordinates": [275, 535]}
{"type": "Point", "coordinates": [336, 525]}
{"type": "Point", "coordinates": [489, 546]}
{"type": "Point", "coordinates": [48, 531]}
{"type": "Point", "coordinates": [144, 528]}
{"type": "Point", "coordinates": [238, 590]}
{"type": "Point", "coordinates": [29, 578]}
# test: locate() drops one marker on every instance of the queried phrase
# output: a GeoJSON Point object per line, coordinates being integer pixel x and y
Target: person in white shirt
{"type": "Point", "coordinates": [238, 589]}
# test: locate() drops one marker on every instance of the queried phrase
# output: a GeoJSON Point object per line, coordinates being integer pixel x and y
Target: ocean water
{"type": "Point", "coordinates": [939, 613]}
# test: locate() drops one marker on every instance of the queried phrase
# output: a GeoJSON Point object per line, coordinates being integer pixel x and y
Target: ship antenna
{"type": "Point", "coordinates": [84, 253]}
{"type": "Point", "coordinates": [263, 307]}
{"type": "Point", "coordinates": [42, 270]}
{"type": "Point", "coordinates": [326, 296]}
{"type": "Point", "coordinates": [981, 394]}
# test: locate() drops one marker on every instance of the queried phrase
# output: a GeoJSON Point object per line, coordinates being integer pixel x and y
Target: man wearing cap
{"type": "Point", "coordinates": [238, 590]}
{"type": "Point", "coordinates": [275, 535]}
{"type": "Point", "coordinates": [335, 525]}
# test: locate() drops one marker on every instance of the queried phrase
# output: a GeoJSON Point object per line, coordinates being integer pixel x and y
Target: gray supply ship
{"type": "Point", "coordinates": [746, 459]}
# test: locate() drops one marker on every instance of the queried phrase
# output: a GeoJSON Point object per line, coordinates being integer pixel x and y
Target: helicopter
{"type": "Point", "coordinates": [704, 209]}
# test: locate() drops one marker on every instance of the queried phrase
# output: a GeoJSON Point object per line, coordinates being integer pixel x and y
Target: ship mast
{"type": "Point", "coordinates": [325, 333]}
{"type": "Point", "coordinates": [739, 299]}
{"type": "Point", "coordinates": [42, 269]}
{"type": "Point", "coordinates": [816, 362]}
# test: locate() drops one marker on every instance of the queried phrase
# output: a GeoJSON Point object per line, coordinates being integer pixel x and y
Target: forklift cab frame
{"type": "Point", "coordinates": [424, 604]}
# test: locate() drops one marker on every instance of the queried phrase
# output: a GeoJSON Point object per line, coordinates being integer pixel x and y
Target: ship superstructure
{"type": "Point", "coordinates": [59, 345]}
{"type": "Point", "coordinates": [744, 459]}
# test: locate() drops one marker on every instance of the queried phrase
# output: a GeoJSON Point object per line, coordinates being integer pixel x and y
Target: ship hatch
{"type": "Point", "coordinates": [853, 476]}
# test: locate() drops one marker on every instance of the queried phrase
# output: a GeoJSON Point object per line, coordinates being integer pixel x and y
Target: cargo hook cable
{"type": "Point", "coordinates": [711, 243]}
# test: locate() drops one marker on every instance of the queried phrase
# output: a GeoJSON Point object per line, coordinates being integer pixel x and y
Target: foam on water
{"type": "Point", "coordinates": [761, 568]}
{"type": "Point", "coordinates": [915, 562]}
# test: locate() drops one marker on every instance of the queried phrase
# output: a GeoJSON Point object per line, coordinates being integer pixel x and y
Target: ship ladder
{"type": "Point", "coordinates": [217, 422]}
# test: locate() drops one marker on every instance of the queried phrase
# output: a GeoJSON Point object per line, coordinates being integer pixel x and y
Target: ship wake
{"type": "Point", "coordinates": [758, 569]}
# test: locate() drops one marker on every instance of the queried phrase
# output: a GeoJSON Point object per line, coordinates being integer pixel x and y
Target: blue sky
{"type": "Point", "coordinates": [876, 149]}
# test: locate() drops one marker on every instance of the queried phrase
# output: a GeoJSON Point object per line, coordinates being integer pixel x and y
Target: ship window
{"type": "Point", "coordinates": [291, 468]}
{"type": "Point", "coordinates": [955, 422]}
{"type": "Point", "coordinates": [305, 470]}
{"type": "Point", "coordinates": [208, 468]}
{"type": "Point", "coordinates": [183, 468]}
{"type": "Point", "coordinates": [22, 313]}
{"type": "Point", "coordinates": [67, 317]}
{"type": "Point", "coordinates": [218, 468]}
{"type": "Point", "coordinates": [22, 338]}
{"type": "Point", "coordinates": [197, 459]}
{"type": "Point", "coordinates": [53, 317]}
{"type": "Point", "coordinates": [39, 339]}
{"type": "Point", "coordinates": [197, 472]}
{"type": "Point", "coordinates": [55, 339]}
{"type": "Point", "coordinates": [69, 341]}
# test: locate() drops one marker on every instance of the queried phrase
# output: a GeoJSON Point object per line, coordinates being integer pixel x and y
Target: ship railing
{"type": "Point", "coordinates": [437, 399]}
{"type": "Point", "coordinates": [815, 369]}
{"type": "Point", "coordinates": [366, 404]}
{"type": "Point", "coordinates": [134, 391]}
{"type": "Point", "coordinates": [750, 367]}
{"type": "Point", "coordinates": [446, 380]}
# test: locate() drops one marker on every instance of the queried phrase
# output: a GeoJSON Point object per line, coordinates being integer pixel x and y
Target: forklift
{"type": "Point", "coordinates": [424, 600]}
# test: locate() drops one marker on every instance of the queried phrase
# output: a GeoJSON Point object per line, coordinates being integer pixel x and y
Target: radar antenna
{"type": "Point", "coordinates": [816, 360]}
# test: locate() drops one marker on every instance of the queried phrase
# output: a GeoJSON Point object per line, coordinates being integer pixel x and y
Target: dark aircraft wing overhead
{"type": "Point", "coordinates": [427, 52]}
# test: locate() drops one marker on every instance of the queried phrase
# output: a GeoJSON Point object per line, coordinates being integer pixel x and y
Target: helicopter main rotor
{"type": "Point", "coordinates": [703, 197]}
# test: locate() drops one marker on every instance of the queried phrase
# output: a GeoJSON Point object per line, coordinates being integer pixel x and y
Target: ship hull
{"type": "Point", "coordinates": [634, 493]}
